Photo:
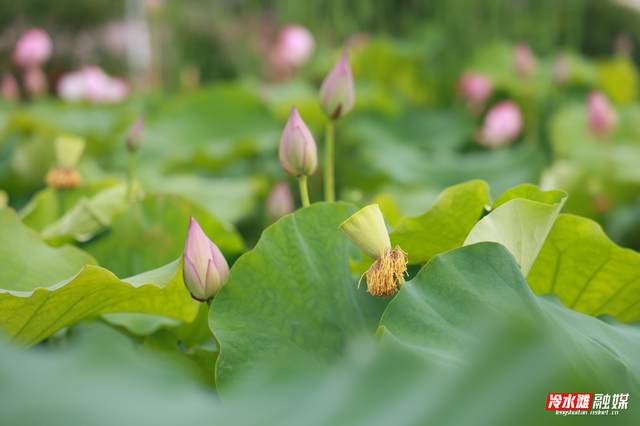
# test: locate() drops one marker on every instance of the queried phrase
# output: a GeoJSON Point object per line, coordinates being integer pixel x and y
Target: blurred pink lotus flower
{"type": "Point", "coordinates": [92, 84]}
{"type": "Point", "coordinates": [502, 125]}
{"type": "Point", "coordinates": [294, 47]}
{"type": "Point", "coordinates": [475, 87]}
{"type": "Point", "coordinates": [298, 151]}
{"type": "Point", "coordinates": [524, 60]}
{"type": "Point", "coordinates": [561, 69]}
{"type": "Point", "coordinates": [9, 88]}
{"type": "Point", "coordinates": [602, 116]}
{"type": "Point", "coordinates": [205, 269]}
{"type": "Point", "coordinates": [35, 81]}
{"type": "Point", "coordinates": [280, 201]}
{"type": "Point", "coordinates": [33, 48]}
{"type": "Point", "coordinates": [337, 93]}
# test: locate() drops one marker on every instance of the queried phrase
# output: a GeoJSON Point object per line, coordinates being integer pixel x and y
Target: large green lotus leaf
{"type": "Point", "coordinates": [442, 311]}
{"type": "Point", "coordinates": [445, 225]}
{"type": "Point", "coordinates": [153, 231]}
{"type": "Point", "coordinates": [50, 204]}
{"type": "Point", "coordinates": [292, 298]}
{"type": "Point", "coordinates": [27, 317]}
{"type": "Point", "coordinates": [587, 270]}
{"type": "Point", "coordinates": [521, 220]}
{"type": "Point", "coordinates": [26, 262]}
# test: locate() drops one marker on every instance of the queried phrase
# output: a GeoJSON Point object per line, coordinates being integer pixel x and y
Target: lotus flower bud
{"type": "Point", "coordinates": [337, 93]}
{"type": "Point", "coordinates": [524, 60]}
{"type": "Point", "coordinates": [502, 125]}
{"type": "Point", "coordinates": [68, 151]}
{"type": "Point", "coordinates": [602, 117]}
{"type": "Point", "coordinates": [293, 48]}
{"type": "Point", "coordinates": [298, 151]}
{"type": "Point", "coordinates": [35, 82]}
{"type": "Point", "coordinates": [136, 134]}
{"type": "Point", "coordinates": [205, 269]}
{"type": "Point", "coordinates": [475, 87]}
{"type": "Point", "coordinates": [561, 69]}
{"type": "Point", "coordinates": [33, 48]}
{"type": "Point", "coordinates": [9, 88]}
{"type": "Point", "coordinates": [280, 201]}
{"type": "Point", "coordinates": [367, 230]}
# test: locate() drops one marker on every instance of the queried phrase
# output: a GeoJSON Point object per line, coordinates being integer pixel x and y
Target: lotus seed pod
{"type": "Point", "coordinates": [366, 229]}
{"type": "Point", "coordinates": [298, 150]}
{"type": "Point", "coordinates": [205, 270]}
{"type": "Point", "coordinates": [337, 93]}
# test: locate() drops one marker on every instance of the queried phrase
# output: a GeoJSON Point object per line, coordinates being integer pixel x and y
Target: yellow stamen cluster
{"type": "Point", "coordinates": [63, 178]}
{"type": "Point", "coordinates": [387, 272]}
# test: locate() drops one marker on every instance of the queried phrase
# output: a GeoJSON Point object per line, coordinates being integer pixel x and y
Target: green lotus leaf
{"type": "Point", "coordinates": [443, 312]}
{"type": "Point", "coordinates": [445, 225]}
{"type": "Point", "coordinates": [292, 298]}
{"type": "Point", "coordinates": [520, 220]}
{"type": "Point", "coordinates": [587, 270]}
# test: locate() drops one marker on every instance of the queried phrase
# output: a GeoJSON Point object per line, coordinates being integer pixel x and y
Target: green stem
{"type": "Point", "coordinates": [304, 193]}
{"type": "Point", "coordinates": [132, 165]}
{"type": "Point", "coordinates": [329, 173]}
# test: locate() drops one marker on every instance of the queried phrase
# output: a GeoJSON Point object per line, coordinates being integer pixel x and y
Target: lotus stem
{"type": "Point", "coordinates": [329, 172]}
{"type": "Point", "coordinates": [304, 192]}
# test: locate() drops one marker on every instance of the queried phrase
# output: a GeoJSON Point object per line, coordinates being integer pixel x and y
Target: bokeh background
{"type": "Point", "coordinates": [216, 79]}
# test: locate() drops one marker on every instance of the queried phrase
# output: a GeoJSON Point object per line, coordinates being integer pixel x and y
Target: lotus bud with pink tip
{"type": "Point", "coordinates": [33, 48]}
{"type": "Point", "coordinates": [136, 134]}
{"type": "Point", "coordinates": [298, 151]}
{"type": "Point", "coordinates": [205, 269]}
{"type": "Point", "coordinates": [602, 116]}
{"type": "Point", "coordinates": [502, 125]}
{"type": "Point", "coordinates": [524, 60]}
{"type": "Point", "coordinates": [337, 93]}
{"type": "Point", "coordinates": [561, 69]}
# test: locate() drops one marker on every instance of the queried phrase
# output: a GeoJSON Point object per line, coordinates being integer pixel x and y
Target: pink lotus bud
{"type": "Point", "coordinates": [294, 47]}
{"type": "Point", "coordinates": [337, 93]}
{"type": "Point", "coordinates": [35, 82]}
{"type": "Point", "coordinates": [475, 87]}
{"type": "Point", "coordinates": [524, 60]}
{"type": "Point", "coordinates": [561, 69]}
{"type": "Point", "coordinates": [136, 134]}
{"type": "Point", "coordinates": [205, 269]}
{"type": "Point", "coordinates": [33, 48]}
{"type": "Point", "coordinates": [9, 88]}
{"type": "Point", "coordinates": [298, 151]}
{"type": "Point", "coordinates": [502, 125]}
{"type": "Point", "coordinates": [602, 116]}
{"type": "Point", "coordinates": [280, 201]}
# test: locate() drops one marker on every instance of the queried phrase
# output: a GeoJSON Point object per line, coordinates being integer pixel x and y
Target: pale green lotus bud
{"type": "Point", "coordinates": [337, 93]}
{"type": "Point", "coordinates": [68, 150]}
{"type": "Point", "coordinates": [367, 230]}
